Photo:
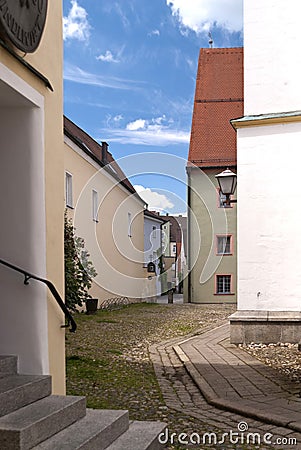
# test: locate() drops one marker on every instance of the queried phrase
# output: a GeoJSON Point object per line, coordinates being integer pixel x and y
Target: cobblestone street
{"type": "Point", "coordinates": [125, 359]}
{"type": "Point", "coordinates": [182, 395]}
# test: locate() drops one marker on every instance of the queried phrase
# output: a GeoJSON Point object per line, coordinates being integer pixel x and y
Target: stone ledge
{"type": "Point", "coordinates": [265, 316]}
{"type": "Point", "coordinates": [265, 327]}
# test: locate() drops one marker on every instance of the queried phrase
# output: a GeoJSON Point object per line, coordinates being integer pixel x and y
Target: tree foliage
{"type": "Point", "coordinates": [79, 270]}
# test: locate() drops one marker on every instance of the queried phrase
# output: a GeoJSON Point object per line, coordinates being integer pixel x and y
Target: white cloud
{"type": "Point", "coordinates": [118, 9]}
{"type": "Point", "coordinates": [180, 214]}
{"type": "Point", "coordinates": [159, 120]}
{"type": "Point", "coordinates": [118, 118]}
{"type": "Point", "coordinates": [155, 201]}
{"type": "Point", "coordinates": [76, 25]}
{"type": "Point", "coordinates": [154, 33]}
{"type": "Point", "coordinates": [138, 124]}
{"type": "Point", "coordinates": [156, 132]}
{"type": "Point", "coordinates": [201, 15]}
{"type": "Point", "coordinates": [78, 75]}
{"type": "Point", "coordinates": [107, 57]}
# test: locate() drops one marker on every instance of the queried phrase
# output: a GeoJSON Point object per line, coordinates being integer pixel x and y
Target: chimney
{"type": "Point", "coordinates": [104, 149]}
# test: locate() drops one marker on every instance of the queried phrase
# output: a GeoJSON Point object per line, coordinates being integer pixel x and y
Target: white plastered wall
{"type": "Point", "coordinates": [272, 57]}
{"type": "Point", "coordinates": [268, 209]}
{"type": "Point", "coordinates": [152, 248]}
{"type": "Point", "coordinates": [23, 318]}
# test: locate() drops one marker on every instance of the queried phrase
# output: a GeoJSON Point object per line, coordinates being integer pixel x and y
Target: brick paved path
{"type": "Point", "coordinates": [183, 395]}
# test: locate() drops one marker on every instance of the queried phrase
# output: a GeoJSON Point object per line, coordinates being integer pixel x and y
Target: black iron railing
{"type": "Point", "coordinates": [70, 322]}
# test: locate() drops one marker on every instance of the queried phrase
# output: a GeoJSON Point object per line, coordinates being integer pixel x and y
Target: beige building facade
{"type": "Point", "coordinates": [107, 213]}
{"type": "Point", "coordinates": [212, 247]}
{"type": "Point", "coordinates": [32, 207]}
{"type": "Point", "coordinates": [212, 253]}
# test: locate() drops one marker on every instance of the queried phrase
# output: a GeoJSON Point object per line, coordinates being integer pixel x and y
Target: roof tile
{"type": "Point", "coordinates": [88, 144]}
{"type": "Point", "coordinates": [218, 98]}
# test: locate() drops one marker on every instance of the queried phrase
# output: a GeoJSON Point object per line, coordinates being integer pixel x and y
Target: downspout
{"type": "Point", "coordinates": [189, 293]}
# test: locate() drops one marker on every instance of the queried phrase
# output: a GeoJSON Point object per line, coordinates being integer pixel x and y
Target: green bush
{"type": "Point", "coordinates": [79, 270]}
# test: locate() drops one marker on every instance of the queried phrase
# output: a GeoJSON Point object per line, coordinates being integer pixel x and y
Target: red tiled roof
{"type": "Point", "coordinates": [99, 152]}
{"type": "Point", "coordinates": [218, 98]}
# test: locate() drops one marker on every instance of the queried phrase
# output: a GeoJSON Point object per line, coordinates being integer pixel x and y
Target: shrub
{"type": "Point", "coordinates": [79, 270]}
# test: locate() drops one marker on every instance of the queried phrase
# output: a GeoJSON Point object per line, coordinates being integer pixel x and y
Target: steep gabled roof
{"type": "Point", "coordinates": [218, 99]}
{"type": "Point", "coordinates": [154, 215]}
{"type": "Point", "coordinates": [98, 152]}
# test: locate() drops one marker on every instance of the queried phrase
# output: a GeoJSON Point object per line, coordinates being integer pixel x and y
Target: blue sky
{"type": "Point", "coordinates": [129, 79]}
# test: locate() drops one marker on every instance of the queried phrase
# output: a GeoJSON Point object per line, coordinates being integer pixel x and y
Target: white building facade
{"type": "Point", "coordinates": [153, 251]}
{"type": "Point", "coordinates": [268, 168]}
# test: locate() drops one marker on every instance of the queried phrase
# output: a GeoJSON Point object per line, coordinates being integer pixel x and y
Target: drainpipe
{"type": "Point", "coordinates": [188, 170]}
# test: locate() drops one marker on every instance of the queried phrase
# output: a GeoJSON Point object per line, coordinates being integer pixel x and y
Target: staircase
{"type": "Point", "coordinates": [32, 418]}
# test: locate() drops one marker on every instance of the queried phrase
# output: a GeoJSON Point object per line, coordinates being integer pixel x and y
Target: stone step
{"type": "Point", "coordinates": [32, 418]}
{"type": "Point", "coordinates": [32, 424]}
{"type": "Point", "coordinates": [17, 391]}
{"type": "Point", "coordinates": [8, 364]}
{"type": "Point", "coordinates": [96, 431]}
{"type": "Point", "coordinates": [140, 436]}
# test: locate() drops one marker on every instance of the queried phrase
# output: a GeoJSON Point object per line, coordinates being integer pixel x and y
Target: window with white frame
{"type": "Point", "coordinates": [223, 284]}
{"type": "Point", "coordinates": [69, 193]}
{"type": "Point", "coordinates": [129, 224]}
{"type": "Point", "coordinates": [224, 245]}
{"type": "Point", "coordinates": [94, 205]}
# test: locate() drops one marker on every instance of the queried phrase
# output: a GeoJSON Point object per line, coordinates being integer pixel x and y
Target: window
{"type": "Point", "coordinates": [222, 199]}
{"type": "Point", "coordinates": [129, 224]}
{"type": "Point", "coordinates": [223, 284]}
{"type": "Point", "coordinates": [224, 245]}
{"type": "Point", "coordinates": [69, 195]}
{"type": "Point", "coordinates": [94, 205]}
{"type": "Point", "coordinates": [154, 232]}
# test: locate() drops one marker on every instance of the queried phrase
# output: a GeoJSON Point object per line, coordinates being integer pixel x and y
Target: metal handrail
{"type": "Point", "coordinates": [27, 276]}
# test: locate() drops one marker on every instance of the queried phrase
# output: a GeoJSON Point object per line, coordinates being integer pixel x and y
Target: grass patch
{"type": "Point", "coordinates": [107, 321]}
{"type": "Point", "coordinates": [114, 352]}
{"type": "Point", "coordinates": [110, 364]}
{"type": "Point", "coordinates": [112, 384]}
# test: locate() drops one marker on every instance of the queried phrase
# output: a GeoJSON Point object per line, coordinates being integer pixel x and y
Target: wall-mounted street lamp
{"type": "Point", "coordinates": [151, 268]}
{"type": "Point", "coordinates": [227, 181]}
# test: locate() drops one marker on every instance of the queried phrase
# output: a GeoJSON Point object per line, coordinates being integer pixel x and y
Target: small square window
{"type": "Point", "coordinates": [69, 193]}
{"type": "Point", "coordinates": [224, 245]}
{"type": "Point", "coordinates": [223, 284]}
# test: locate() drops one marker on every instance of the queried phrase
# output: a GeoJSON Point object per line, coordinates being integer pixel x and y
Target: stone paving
{"type": "Point", "coordinates": [231, 378]}
{"type": "Point", "coordinates": [208, 363]}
